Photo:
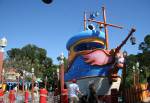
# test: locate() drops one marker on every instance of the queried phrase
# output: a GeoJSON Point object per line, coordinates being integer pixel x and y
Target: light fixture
{"type": "Point", "coordinates": [125, 54]}
{"type": "Point", "coordinates": [3, 43]}
{"type": "Point", "coordinates": [142, 46]}
{"type": "Point", "coordinates": [133, 68]}
{"type": "Point", "coordinates": [32, 71]}
{"type": "Point", "coordinates": [137, 65]}
{"type": "Point", "coordinates": [133, 40]}
{"type": "Point", "coordinates": [61, 58]}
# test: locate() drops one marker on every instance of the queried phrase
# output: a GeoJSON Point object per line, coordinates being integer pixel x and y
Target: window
{"type": "Point", "coordinates": [87, 46]}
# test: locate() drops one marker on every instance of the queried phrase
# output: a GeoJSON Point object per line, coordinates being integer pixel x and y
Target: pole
{"type": "Point", "coordinates": [134, 78]}
{"type": "Point", "coordinates": [99, 22]}
{"type": "Point", "coordinates": [3, 75]}
{"type": "Point", "coordinates": [23, 84]}
{"type": "Point", "coordinates": [134, 75]}
{"type": "Point", "coordinates": [124, 41]}
{"type": "Point", "coordinates": [3, 43]}
{"type": "Point", "coordinates": [62, 76]}
{"type": "Point", "coordinates": [32, 88]}
{"type": "Point", "coordinates": [105, 26]}
{"type": "Point", "coordinates": [45, 82]}
{"type": "Point", "coordinates": [1, 64]}
{"type": "Point", "coordinates": [32, 94]}
{"type": "Point", "coordinates": [84, 21]}
{"type": "Point", "coordinates": [18, 83]}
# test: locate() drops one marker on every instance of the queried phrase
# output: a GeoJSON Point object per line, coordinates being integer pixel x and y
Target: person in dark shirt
{"type": "Point", "coordinates": [148, 85]}
{"type": "Point", "coordinates": [92, 94]}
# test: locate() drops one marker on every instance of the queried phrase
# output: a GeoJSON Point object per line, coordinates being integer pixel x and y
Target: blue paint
{"type": "Point", "coordinates": [80, 69]}
{"type": "Point", "coordinates": [83, 35]}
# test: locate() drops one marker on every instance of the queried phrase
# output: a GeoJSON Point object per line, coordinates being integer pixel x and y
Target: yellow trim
{"type": "Point", "coordinates": [86, 40]}
{"type": "Point", "coordinates": [72, 53]}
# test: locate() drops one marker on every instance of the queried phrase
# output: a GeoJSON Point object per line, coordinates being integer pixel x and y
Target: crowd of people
{"type": "Point", "coordinates": [74, 92]}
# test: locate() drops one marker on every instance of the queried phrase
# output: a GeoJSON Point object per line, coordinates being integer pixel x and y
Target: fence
{"type": "Point", "coordinates": [136, 94]}
{"type": "Point", "coordinates": [20, 98]}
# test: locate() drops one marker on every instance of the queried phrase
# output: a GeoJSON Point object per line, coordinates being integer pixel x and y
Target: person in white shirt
{"type": "Point", "coordinates": [73, 92]}
{"type": "Point", "coordinates": [36, 92]}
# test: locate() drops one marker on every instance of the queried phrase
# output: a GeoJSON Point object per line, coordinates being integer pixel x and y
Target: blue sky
{"type": "Point", "coordinates": [25, 22]}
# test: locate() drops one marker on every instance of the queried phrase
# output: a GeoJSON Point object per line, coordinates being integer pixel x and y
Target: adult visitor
{"type": "Point", "coordinates": [73, 89]}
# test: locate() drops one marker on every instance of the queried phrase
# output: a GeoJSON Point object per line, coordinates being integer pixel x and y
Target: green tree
{"type": "Point", "coordinates": [144, 57]}
{"type": "Point", "coordinates": [131, 60]}
{"type": "Point", "coordinates": [30, 56]}
{"type": "Point", "coordinates": [144, 60]}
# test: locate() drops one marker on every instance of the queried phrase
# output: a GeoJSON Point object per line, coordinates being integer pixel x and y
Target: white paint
{"type": "Point", "coordinates": [101, 83]}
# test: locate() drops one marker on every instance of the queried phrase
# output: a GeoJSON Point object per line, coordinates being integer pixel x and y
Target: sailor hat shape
{"type": "Point", "coordinates": [85, 35]}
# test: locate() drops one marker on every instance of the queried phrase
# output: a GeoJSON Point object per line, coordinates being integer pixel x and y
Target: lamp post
{"type": "Point", "coordinates": [3, 71]}
{"type": "Point", "coordinates": [23, 81]}
{"type": "Point", "coordinates": [57, 73]}
{"type": "Point", "coordinates": [133, 40]}
{"type": "Point", "coordinates": [61, 61]}
{"type": "Point", "coordinates": [138, 72]}
{"type": "Point", "coordinates": [134, 75]}
{"type": "Point", "coordinates": [3, 44]}
{"type": "Point", "coordinates": [122, 97]}
{"type": "Point", "coordinates": [61, 75]}
{"type": "Point", "coordinates": [32, 85]}
{"type": "Point", "coordinates": [125, 54]}
{"type": "Point", "coordinates": [45, 82]}
{"type": "Point", "coordinates": [17, 76]}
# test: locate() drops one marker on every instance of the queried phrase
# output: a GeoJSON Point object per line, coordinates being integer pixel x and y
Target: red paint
{"type": "Point", "coordinates": [12, 96]}
{"type": "Point", "coordinates": [26, 97]}
{"type": "Point", "coordinates": [1, 96]}
{"type": "Point", "coordinates": [62, 76]}
{"type": "Point", "coordinates": [43, 95]}
{"type": "Point", "coordinates": [64, 96]}
{"type": "Point", "coordinates": [1, 64]}
{"type": "Point", "coordinates": [1, 92]}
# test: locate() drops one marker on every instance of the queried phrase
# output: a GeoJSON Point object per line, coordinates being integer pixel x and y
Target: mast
{"type": "Point", "coordinates": [105, 27]}
{"type": "Point", "coordinates": [105, 24]}
{"type": "Point", "coordinates": [84, 21]}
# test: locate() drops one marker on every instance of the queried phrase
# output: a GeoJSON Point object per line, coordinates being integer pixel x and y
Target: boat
{"type": "Point", "coordinates": [90, 61]}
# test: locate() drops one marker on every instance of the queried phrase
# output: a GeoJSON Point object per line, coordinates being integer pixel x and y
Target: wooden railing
{"type": "Point", "coordinates": [136, 93]}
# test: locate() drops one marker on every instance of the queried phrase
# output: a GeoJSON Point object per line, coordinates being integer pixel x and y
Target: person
{"type": "Point", "coordinates": [92, 94]}
{"type": "Point", "coordinates": [36, 92]}
{"type": "Point", "coordinates": [73, 89]}
{"type": "Point", "coordinates": [148, 85]}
